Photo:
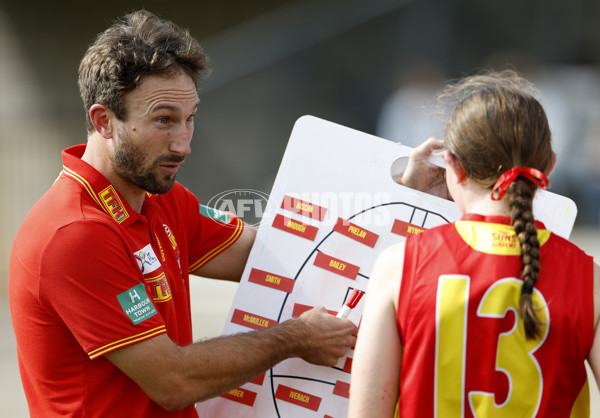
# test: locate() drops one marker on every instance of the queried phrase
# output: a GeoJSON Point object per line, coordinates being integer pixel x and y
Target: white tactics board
{"type": "Point", "coordinates": [334, 206]}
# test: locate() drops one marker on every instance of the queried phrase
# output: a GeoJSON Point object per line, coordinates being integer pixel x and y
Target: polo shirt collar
{"type": "Point", "coordinates": [99, 189]}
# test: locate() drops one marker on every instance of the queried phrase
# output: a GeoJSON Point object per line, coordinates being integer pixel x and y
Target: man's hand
{"type": "Point", "coordinates": [209, 368]}
{"type": "Point", "coordinates": [328, 337]}
{"type": "Point", "coordinates": [422, 175]}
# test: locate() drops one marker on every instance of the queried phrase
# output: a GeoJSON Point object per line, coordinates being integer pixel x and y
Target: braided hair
{"type": "Point", "coordinates": [497, 124]}
{"type": "Point", "coordinates": [520, 195]}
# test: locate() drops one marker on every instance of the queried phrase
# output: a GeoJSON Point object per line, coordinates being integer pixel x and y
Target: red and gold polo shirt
{"type": "Point", "coordinates": [88, 275]}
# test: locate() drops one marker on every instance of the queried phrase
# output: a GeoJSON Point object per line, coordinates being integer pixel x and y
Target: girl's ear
{"type": "Point", "coordinates": [453, 164]}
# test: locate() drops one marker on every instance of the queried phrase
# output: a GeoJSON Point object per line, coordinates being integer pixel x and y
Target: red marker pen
{"type": "Point", "coordinates": [350, 303]}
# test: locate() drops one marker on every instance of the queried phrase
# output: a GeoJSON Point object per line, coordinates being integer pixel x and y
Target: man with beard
{"type": "Point", "coordinates": [99, 271]}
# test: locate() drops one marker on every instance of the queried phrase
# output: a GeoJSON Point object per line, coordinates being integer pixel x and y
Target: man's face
{"type": "Point", "coordinates": [152, 143]}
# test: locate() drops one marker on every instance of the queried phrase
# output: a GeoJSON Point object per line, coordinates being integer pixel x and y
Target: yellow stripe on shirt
{"type": "Point", "coordinates": [217, 250]}
{"type": "Point", "coordinates": [85, 184]}
{"type": "Point", "coordinates": [126, 341]}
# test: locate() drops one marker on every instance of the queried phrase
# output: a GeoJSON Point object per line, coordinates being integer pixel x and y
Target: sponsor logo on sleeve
{"type": "Point", "coordinates": [215, 214]}
{"type": "Point", "coordinates": [147, 259]}
{"type": "Point", "coordinates": [136, 304]}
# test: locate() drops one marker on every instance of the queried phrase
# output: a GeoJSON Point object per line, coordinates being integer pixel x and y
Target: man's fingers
{"type": "Point", "coordinates": [426, 149]}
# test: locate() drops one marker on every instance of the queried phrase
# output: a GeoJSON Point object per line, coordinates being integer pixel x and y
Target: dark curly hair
{"type": "Point", "coordinates": [138, 45]}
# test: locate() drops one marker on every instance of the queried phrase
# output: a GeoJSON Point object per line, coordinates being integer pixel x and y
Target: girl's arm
{"type": "Point", "coordinates": [376, 364]}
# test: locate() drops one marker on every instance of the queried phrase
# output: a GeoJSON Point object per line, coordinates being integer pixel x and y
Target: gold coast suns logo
{"type": "Point", "coordinates": [171, 236]}
{"type": "Point", "coordinates": [504, 239]}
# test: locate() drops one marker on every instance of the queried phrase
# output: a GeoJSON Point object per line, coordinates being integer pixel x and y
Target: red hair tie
{"type": "Point", "coordinates": [504, 181]}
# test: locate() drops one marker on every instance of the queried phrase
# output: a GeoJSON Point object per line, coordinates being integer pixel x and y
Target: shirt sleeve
{"type": "Point", "coordinates": [214, 236]}
{"type": "Point", "coordinates": [208, 231]}
{"type": "Point", "coordinates": [90, 281]}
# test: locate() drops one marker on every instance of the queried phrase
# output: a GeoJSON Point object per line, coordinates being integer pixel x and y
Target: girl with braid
{"type": "Point", "coordinates": [492, 315]}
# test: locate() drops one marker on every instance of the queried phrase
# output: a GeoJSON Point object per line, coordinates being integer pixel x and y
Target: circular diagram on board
{"type": "Point", "coordinates": [340, 262]}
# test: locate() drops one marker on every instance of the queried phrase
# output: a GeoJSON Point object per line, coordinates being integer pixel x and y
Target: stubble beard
{"type": "Point", "coordinates": [129, 161]}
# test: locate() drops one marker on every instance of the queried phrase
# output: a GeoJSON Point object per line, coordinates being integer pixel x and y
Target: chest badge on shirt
{"type": "Point", "coordinates": [159, 288]}
{"type": "Point", "coordinates": [171, 236]}
{"type": "Point", "coordinates": [157, 283]}
{"type": "Point", "coordinates": [174, 245]}
{"type": "Point", "coordinates": [147, 259]}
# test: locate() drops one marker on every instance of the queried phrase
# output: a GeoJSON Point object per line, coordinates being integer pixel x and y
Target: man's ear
{"type": "Point", "coordinates": [101, 118]}
{"type": "Point", "coordinates": [453, 164]}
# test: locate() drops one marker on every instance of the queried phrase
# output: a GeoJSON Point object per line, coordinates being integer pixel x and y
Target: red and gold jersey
{"type": "Point", "coordinates": [88, 275]}
{"type": "Point", "coordinates": [465, 352]}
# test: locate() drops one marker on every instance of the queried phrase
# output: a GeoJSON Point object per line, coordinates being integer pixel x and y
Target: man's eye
{"type": "Point", "coordinates": [163, 120]}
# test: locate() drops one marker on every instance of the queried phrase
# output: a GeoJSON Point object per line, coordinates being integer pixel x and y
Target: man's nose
{"type": "Point", "coordinates": [181, 143]}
